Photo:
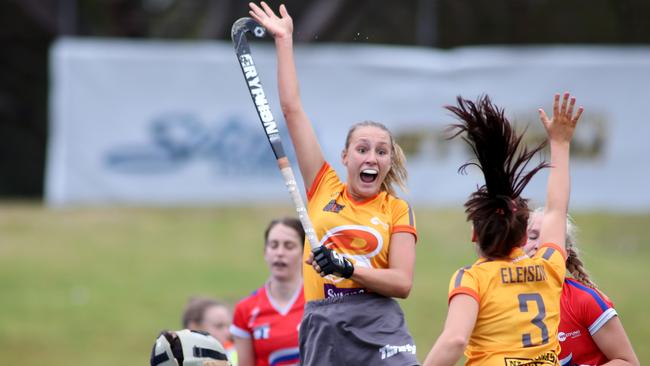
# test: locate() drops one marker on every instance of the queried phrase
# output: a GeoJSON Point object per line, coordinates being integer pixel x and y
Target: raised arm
{"type": "Point", "coordinates": [560, 130]}
{"type": "Point", "coordinates": [308, 151]}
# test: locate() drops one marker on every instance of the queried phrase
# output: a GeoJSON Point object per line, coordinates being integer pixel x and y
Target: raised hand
{"type": "Point", "coordinates": [279, 27]}
{"type": "Point", "coordinates": [561, 126]}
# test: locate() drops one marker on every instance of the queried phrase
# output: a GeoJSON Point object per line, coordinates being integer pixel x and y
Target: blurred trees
{"type": "Point", "coordinates": [29, 27]}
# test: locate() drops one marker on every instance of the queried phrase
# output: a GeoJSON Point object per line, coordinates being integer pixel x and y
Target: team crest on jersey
{"type": "Point", "coordinates": [262, 331]}
{"type": "Point", "coordinates": [332, 206]}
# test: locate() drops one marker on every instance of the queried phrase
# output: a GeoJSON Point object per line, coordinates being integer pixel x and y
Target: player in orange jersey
{"type": "Point", "coordinates": [505, 308]}
{"type": "Point", "coordinates": [367, 234]}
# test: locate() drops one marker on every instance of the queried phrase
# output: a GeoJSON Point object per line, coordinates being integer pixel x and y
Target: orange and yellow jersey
{"type": "Point", "coordinates": [519, 307]}
{"type": "Point", "coordinates": [360, 231]}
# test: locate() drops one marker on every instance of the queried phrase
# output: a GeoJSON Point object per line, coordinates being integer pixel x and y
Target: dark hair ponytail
{"type": "Point", "coordinates": [497, 211]}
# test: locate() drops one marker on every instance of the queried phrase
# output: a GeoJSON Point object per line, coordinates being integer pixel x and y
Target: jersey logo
{"type": "Point", "coordinates": [262, 331]}
{"type": "Point", "coordinates": [562, 336]}
{"type": "Point", "coordinates": [333, 291]}
{"type": "Point", "coordinates": [375, 220]}
{"type": "Point", "coordinates": [390, 351]}
{"type": "Point", "coordinates": [356, 242]}
{"type": "Point", "coordinates": [332, 206]}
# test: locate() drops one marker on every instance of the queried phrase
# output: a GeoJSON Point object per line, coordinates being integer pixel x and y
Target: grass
{"type": "Point", "coordinates": [95, 286]}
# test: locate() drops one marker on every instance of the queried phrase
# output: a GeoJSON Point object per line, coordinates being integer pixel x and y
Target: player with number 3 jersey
{"type": "Point", "coordinates": [518, 304]}
{"type": "Point", "coordinates": [505, 308]}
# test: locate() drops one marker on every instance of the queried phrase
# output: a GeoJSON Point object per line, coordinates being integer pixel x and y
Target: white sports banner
{"type": "Point", "coordinates": [152, 122]}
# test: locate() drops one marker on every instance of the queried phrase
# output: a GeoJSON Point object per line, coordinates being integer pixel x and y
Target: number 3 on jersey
{"type": "Point", "coordinates": [538, 320]}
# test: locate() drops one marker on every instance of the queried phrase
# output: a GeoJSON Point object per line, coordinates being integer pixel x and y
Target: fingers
{"type": "Point", "coordinates": [542, 116]}
{"type": "Point", "coordinates": [565, 99]}
{"type": "Point", "coordinates": [318, 269]}
{"type": "Point", "coordinates": [556, 104]}
{"type": "Point", "coordinates": [255, 10]}
{"type": "Point", "coordinates": [578, 114]}
{"type": "Point", "coordinates": [314, 263]}
{"type": "Point", "coordinates": [261, 13]}
{"type": "Point", "coordinates": [267, 9]}
{"type": "Point", "coordinates": [572, 103]}
{"type": "Point", "coordinates": [283, 11]}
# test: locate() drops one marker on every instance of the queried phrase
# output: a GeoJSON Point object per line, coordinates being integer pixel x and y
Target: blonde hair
{"type": "Point", "coordinates": [397, 175]}
{"type": "Point", "coordinates": [573, 262]}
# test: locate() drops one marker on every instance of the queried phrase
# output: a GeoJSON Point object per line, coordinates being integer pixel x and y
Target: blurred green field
{"type": "Point", "coordinates": [95, 286]}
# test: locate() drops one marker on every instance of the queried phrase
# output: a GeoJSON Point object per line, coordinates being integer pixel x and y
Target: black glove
{"type": "Point", "coordinates": [331, 262]}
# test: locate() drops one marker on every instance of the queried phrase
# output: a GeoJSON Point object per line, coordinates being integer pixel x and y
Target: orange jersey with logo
{"type": "Point", "coordinates": [519, 307]}
{"type": "Point", "coordinates": [360, 231]}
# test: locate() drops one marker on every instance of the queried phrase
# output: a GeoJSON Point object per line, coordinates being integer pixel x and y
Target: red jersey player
{"type": "Point", "coordinates": [583, 312]}
{"type": "Point", "coordinates": [590, 332]}
{"type": "Point", "coordinates": [265, 324]}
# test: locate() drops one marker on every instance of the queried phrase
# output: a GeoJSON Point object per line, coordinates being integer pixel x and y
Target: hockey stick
{"type": "Point", "coordinates": [238, 33]}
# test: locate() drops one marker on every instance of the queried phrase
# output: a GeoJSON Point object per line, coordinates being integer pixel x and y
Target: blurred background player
{"type": "Point", "coordinates": [187, 348]}
{"type": "Point", "coordinates": [505, 308]}
{"type": "Point", "coordinates": [368, 234]}
{"type": "Point", "coordinates": [590, 331]}
{"type": "Point", "coordinates": [265, 324]}
{"type": "Point", "coordinates": [212, 316]}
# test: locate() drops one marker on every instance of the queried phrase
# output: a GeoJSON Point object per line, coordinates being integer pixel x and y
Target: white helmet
{"type": "Point", "coordinates": [187, 348]}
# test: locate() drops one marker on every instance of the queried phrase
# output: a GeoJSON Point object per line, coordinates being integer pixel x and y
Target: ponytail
{"type": "Point", "coordinates": [498, 213]}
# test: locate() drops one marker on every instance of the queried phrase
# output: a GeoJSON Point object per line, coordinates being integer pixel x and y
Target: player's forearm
{"type": "Point", "coordinates": [244, 348]}
{"type": "Point", "coordinates": [287, 78]}
{"type": "Point", "coordinates": [446, 351]}
{"type": "Point", "coordinates": [389, 282]}
{"type": "Point", "coordinates": [621, 362]}
{"type": "Point", "coordinates": [559, 185]}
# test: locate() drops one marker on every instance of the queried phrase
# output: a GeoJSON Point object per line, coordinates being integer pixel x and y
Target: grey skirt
{"type": "Point", "coordinates": [359, 330]}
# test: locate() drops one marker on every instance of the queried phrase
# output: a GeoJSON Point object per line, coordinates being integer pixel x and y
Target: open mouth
{"type": "Point", "coordinates": [279, 265]}
{"type": "Point", "coordinates": [369, 175]}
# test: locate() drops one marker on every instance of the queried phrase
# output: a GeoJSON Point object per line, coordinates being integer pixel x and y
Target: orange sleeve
{"type": "Point", "coordinates": [463, 290]}
{"type": "Point", "coordinates": [406, 229]}
{"type": "Point", "coordinates": [463, 282]}
{"type": "Point", "coordinates": [319, 177]}
{"type": "Point", "coordinates": [403, 218]}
